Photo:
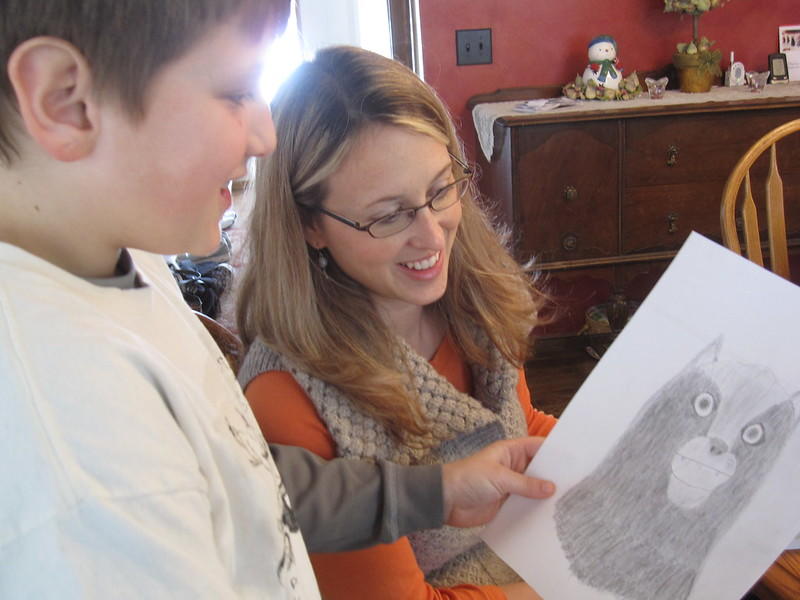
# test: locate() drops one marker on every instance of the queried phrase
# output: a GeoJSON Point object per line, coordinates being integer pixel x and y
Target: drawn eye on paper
{"type": "Point", "coordinates": [642, 523]}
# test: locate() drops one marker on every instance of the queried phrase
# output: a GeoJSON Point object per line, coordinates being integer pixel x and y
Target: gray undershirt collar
{"type": "Point", "coordinates": [125, 276]}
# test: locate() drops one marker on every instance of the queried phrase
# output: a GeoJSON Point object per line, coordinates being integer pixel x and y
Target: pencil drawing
{"type": "Point", "coordinates": [642, 523]}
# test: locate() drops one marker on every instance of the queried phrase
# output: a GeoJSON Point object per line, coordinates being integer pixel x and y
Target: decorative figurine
{"type": "Point", "coordinates": [656, 87]}
{"type": "Point", "coordinates": [602, 79]}
{"type": "Point", "coordinates": [602, 67]}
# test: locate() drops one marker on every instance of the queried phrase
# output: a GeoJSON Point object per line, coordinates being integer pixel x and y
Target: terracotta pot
{"type": "Point", "coordinates": [691, 78]}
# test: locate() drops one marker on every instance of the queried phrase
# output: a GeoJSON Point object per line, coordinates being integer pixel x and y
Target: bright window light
{"type": "Point", "coordinates": [281, 58]}
{"type": "Point", "coordinates": [373, 21]}
{"type": "Point", "coordinates": [287, 52]}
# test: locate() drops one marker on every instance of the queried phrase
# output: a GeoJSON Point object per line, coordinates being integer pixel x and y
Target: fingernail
{"type": "Point", "coordinates": [547, 487]}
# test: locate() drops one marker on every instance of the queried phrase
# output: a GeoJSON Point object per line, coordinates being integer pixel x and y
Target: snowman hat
{"type": "Point", "coordinates": [603, 38]}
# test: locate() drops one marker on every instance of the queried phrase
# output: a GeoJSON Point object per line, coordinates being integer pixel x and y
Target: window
{"type": "Point", "coordinates": [389, 28]}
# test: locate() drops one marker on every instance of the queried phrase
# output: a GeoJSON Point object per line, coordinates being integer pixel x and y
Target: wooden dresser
{"type": "Point", "coordinates": [603, 194]}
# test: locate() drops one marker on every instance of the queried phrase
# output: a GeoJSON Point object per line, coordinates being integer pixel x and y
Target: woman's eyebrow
{"type": "Point", "coordinates": [386, 199]}
{"type": "Point", "coordinates": [444, 170]}
{"type": "Point", "coordinates": [383, 200]}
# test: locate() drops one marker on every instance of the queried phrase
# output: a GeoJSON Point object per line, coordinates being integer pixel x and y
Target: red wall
{"type": "Point", "coordinates": [543, 42]}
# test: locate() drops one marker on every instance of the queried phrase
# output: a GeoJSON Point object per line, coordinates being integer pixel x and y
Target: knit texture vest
{"type": "Point", "coordinates": [460, 425]}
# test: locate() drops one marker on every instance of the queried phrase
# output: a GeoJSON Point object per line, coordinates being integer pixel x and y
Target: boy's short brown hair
{"type": "Point", "coordinates": [125, 41]}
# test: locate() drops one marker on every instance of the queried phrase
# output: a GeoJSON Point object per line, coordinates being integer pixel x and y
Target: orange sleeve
{"type": "Point", "coordinates": [539, 423]}
{"type": "Point", "coordinates": [388, 571]}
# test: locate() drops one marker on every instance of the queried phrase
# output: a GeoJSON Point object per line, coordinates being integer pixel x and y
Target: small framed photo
{"type": "Point", "coordinates": [736, 74]}
{"type": "Point", "coordinates": [789, 45]}
{"type": "Point", "coordinates": [778, 68]}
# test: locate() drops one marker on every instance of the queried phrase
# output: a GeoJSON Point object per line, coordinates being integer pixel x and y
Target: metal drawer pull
{"type": "Point", "coordinates": [570, 194]}
{"type": "Point", "coordinates": [672, 155]}
{"type": "Point", "coordinates": [672, 223]}
{"type": "Point", "coordinates": [569, 242]}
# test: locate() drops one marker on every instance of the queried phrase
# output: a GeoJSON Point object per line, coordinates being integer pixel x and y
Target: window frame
{"type": "Point", "coordinates": [403, 25]}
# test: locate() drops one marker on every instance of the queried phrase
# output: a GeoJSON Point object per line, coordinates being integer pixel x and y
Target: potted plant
{"type": "Point", "coordinates": [697, 64]}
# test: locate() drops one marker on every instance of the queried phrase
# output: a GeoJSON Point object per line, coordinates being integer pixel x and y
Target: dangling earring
{"type": "Point", "coordinates": [320, 257]}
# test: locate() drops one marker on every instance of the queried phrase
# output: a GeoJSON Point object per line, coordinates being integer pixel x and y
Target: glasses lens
{"type": "Point", "coordinates": [449, 195]}
{"type": "Point", "coordinates": [392, 223]}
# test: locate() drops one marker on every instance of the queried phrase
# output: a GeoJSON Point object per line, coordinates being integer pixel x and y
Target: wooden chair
{"type": "Point", "coordinates": [746, 208]}
{"type": "Point", "coordinates": [228, 342]}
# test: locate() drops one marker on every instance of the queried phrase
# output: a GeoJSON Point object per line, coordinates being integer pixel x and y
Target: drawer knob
{"type": "Point", "coordinates": [672, 155]}
{"type": "Point", "coordinates": [672, 223]}
{"type": "Point", "coordinates": [570, 193]}
{"type": "Point", "coordinates": [569, 242]}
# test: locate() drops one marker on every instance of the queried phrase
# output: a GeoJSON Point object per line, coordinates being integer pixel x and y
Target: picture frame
{"type": "Point", "coordinates": [736, 74]}
{"type": "Point", "coordinates": [789, 45]}
{"type": "Point", "coordinates": [778, 68]}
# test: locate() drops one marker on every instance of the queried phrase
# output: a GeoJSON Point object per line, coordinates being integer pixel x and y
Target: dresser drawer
{"type": "Point", "coordinates": [566, 182]}
{"type": "Point", "coordinates": [659, 217]}
{"type": "Point", "coordinates": [692, 148]}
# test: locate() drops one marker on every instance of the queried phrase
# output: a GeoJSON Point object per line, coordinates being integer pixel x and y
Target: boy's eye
{"type": "Point", "coordinates": [241, 97]}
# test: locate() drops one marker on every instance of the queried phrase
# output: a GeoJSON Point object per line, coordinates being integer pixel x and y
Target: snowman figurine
{"type": "Point", "coordinates": [602, 67]}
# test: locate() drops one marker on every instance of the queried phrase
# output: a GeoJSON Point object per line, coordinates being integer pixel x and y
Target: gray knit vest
{"type": "Point", "coordinates": [460, 425]}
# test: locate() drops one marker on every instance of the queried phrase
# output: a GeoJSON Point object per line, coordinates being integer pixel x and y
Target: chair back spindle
{"type": "Point", "coordinates": [737, 198]}
{"type": "Point", "coordinates": [776, 221]}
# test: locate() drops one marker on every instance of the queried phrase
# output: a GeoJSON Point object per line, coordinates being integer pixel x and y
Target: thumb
{"type": "Point", "coordinates": [524, 485]}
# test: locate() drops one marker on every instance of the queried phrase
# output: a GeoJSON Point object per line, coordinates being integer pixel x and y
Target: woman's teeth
{"type": "Point", "coordinates": [421, 265]}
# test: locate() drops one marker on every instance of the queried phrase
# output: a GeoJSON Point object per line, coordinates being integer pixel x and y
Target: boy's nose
{"type": "Point", "coordinates": [261, 131]}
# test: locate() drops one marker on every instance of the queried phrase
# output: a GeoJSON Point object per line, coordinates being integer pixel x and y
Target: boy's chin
{"type": "Point", "coordinates": [196, 248]}
{"type": "Point", "coordinates": [206, 247]}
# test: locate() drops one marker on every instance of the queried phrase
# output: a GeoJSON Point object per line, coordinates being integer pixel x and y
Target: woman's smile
{"type": "Point", "coordinates": [424, 265]}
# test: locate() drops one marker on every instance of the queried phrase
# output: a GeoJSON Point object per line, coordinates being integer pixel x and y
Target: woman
{"type": "Point", "coordinates": [384, 317]}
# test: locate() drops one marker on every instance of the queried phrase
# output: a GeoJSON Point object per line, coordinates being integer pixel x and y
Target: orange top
{"type": "Point", "coordinates": [387, 571]}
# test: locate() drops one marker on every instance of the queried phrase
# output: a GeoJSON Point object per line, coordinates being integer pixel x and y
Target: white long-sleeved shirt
{"type": "Point", "coordinates": [123, 435]}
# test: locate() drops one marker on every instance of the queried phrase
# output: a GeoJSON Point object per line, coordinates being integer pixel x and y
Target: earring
{"type": "Point", "coordinates": [322, 259]}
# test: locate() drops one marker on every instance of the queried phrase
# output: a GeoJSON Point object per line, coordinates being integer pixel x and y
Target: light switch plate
{"type": "Point", "coordinates": [473, 46]}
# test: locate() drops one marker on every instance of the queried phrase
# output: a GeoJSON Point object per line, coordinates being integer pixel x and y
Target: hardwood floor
{"type": "Point", "coordinates": [553, 381]}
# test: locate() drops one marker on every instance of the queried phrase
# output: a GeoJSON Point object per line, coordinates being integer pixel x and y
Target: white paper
{"type": "Point", "coordinates": [794, 544]}
{"type": "Point", "coordinates": [544, 104]}
{"type": "Point", "coordinates": [699, 390]}
{"type": "Point", "coordinates": [789, 44]}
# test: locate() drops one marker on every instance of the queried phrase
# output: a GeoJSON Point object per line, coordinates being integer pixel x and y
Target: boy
{"type": "Point", "coordinates": [138, 469]}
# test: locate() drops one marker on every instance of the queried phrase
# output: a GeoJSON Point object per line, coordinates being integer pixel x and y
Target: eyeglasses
{"type": "Point", "coordinates": [399, 220]}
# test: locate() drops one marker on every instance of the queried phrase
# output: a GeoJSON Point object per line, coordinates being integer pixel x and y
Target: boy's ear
{"type": "Point", "coordinates": [52, 82]}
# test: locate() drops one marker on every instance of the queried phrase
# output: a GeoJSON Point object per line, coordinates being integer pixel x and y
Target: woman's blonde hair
{"type": "Point", "coordinates": [324, 321]}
